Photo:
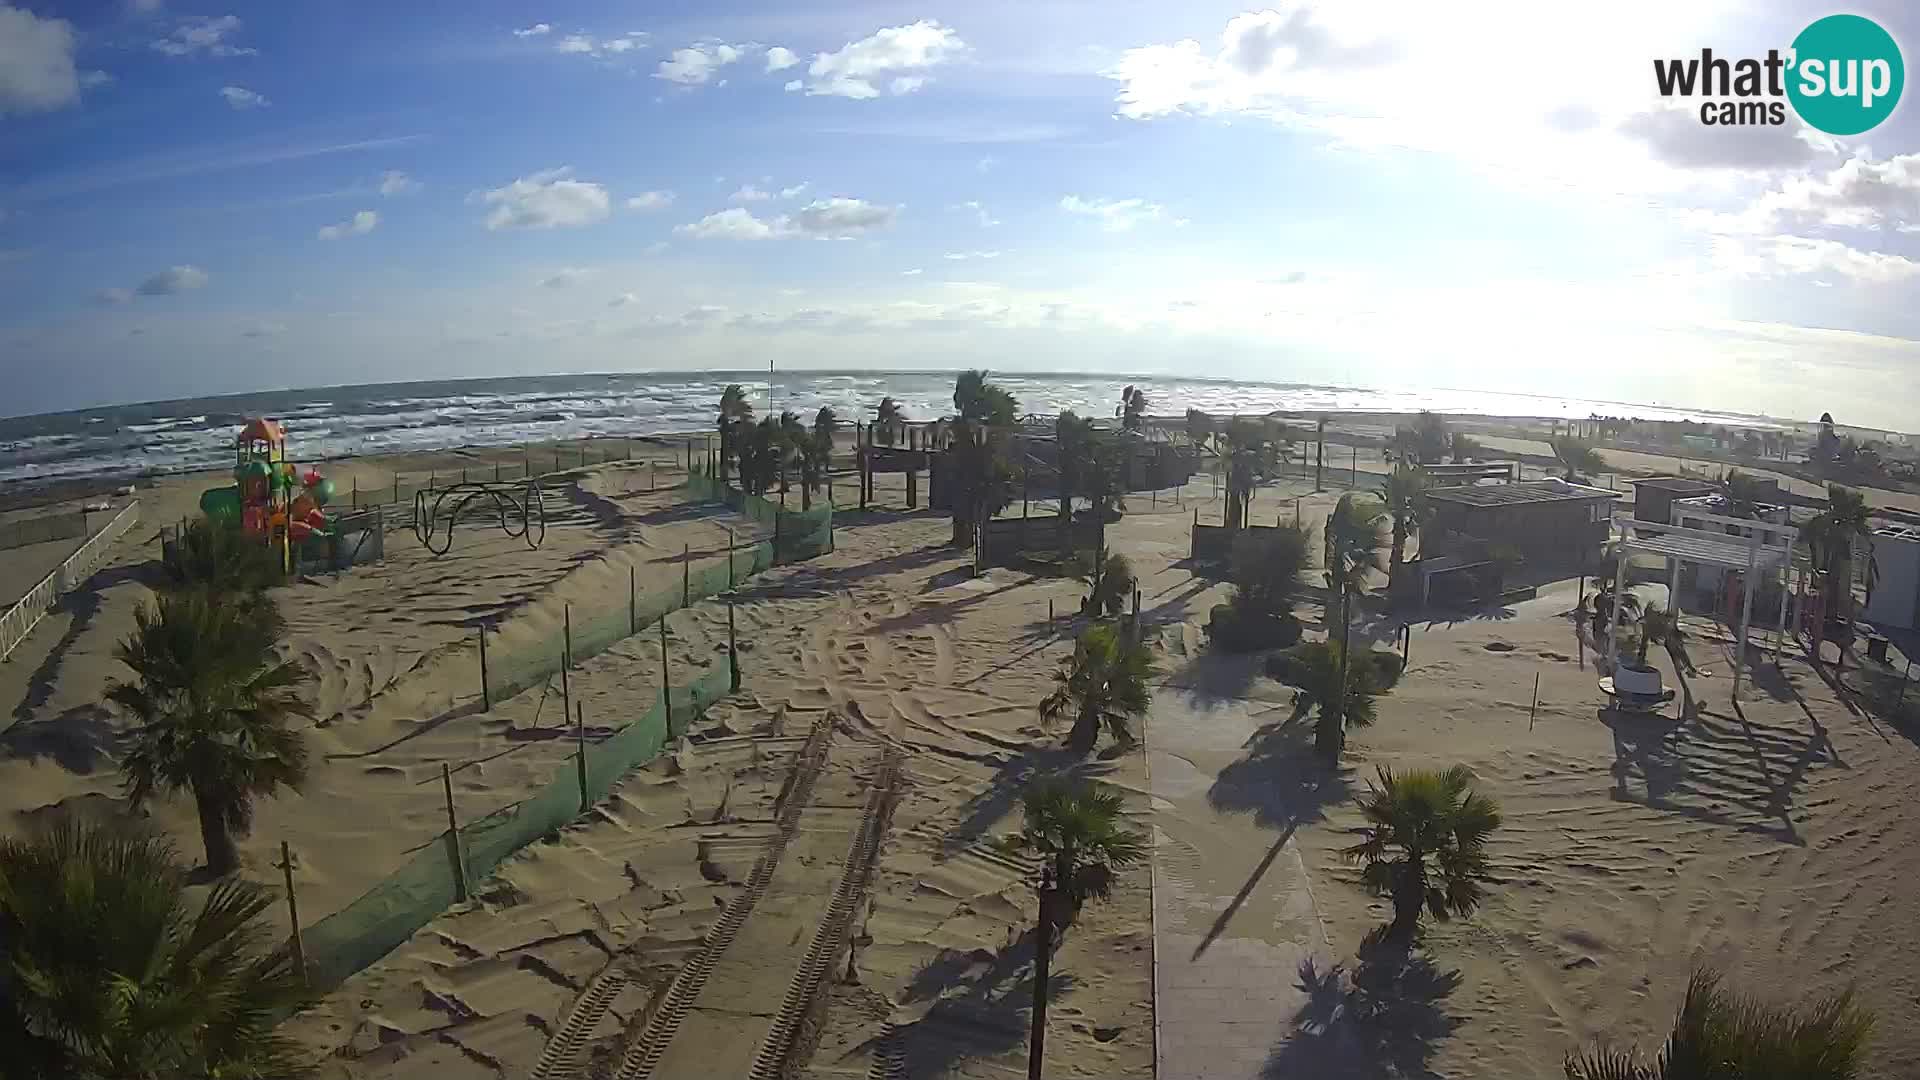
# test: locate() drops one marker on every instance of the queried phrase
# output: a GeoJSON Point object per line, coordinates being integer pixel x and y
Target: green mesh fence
{"type": "Point", "coordinates": [394, 910]}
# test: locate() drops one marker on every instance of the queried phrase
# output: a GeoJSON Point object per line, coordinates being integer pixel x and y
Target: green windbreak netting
{"type": "Point", "coordinates": [392, 911]}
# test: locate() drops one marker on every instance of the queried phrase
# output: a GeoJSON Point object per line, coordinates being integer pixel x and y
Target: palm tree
{"type": "Point", "coordinates": [1430, 437]}
{"type": "Point", "coordinates": [792, 445]}
{"type": "Point", "coordinates": [1404, 492]}
{"type": "Point", "coordinates": [735, 417]}
{"type": "Point", "coordinates": [108, 969]}
{"type": "Point", "coordinates": [1104, 684]}
{"type": "Point", "coordinates": [215, 554]}
{"type": "Point", "coordinates": [982, 483]}
{"type": "Point", "coordinates": [1109, 580]}
{"type": "Point", "coordinates": [1465, 449]}
{"type": "Point", "coordinates": [214, 705]}
{"type": "Point", "coordinates": [760, 447]}
{"type": "Point", "coordinates": [1414, 816]}
{"type": "Point", "coordinates": [1723, 1033]}
{"type": "Point", "coordinates": [1577, 456]}
{"type": "Point", "coordinates": [1132, 409]}
{"type": "Point", "coordinates": [1265, 570]}
{"type": "Point", "coordinates": [1080, 835]}
{"type": "Point", "coordinates": [1103, 475]}
{"type": "Point", "coordinates": [1072, 437]}
{"type": "Point", "coordinates": [1353, 542]}
{"type": "Point", "coordinates": [1250, 455]}
{"type": "Point", "coordinates": [887, 420]}
{"type": "Point", "coordinates": [1199, 428]}
{"type": "Point", "coordinates": [1317, 669]}
{"type": "Point", "coordinates": [815, 451]}
{"type": "Point", "coordinates": [1831, 539]}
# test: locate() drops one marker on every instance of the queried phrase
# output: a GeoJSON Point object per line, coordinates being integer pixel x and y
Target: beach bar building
{"type": "Point", "coordinates": [1549, 522]}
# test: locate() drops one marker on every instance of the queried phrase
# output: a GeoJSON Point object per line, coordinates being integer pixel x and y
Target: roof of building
{"type": "Point", "coordinates": [1519, 494]}
{"type": "Point", "coordinates": [1678, 484]}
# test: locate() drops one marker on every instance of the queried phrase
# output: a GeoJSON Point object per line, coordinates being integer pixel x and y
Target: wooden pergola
{"type": "Point", "coordinates": [1764, 548]}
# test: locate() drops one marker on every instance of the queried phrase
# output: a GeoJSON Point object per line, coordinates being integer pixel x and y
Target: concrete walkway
{"type": "Point", "coordinates": [1234, 914]}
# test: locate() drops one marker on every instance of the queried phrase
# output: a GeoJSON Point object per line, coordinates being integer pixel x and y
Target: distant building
{"type": "Point", "coordinates": [1549, 522]}
{"type": "Point", "coordinates": [1895, 600]}
{"type": "Point", "coordinates": [1653, 497]}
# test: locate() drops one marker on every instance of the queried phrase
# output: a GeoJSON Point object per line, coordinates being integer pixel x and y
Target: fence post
{"type": "Point", "coordinates": [356, 491]}
{"type": "Point", "coordinates": [293, 913]}
{"type": "Point", "coordinates": [566, 661]}
{"type": "Point", "coordinates": [666, 686]}
{"type": "Point", "coordinates": [1193, 536]}
{"type": "Point", "coordinates": [496, 470]}
{"type": "Point", "coordinates": [486, 695]}
{"type": "Point", "coordinates": [730, 581]}
{"type": "Point", "coordinates": [580, 753]}
{"type": "Point", "coordinates": [653, 473]}
{"type": "Point", "coordinates": [633, 604]}
{"type": "Point", "coordinates": [396, 487]}
{"type": "Point", "coordinates": [1535, 709]}
{"type": "Point", "coordinates": [776, 532]}
{"type": "Point", "coordinates": [733, 651]}
{"type": "Point", "coordinates": [453, 838]}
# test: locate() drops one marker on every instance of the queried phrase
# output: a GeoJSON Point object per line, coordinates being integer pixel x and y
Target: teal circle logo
{"type": "Point", "coordinates": [1846, 74]}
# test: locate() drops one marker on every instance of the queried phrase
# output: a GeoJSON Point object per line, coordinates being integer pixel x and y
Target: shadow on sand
{"type": "Point", "coordinates": [982, 1004]}
{"type": "Point", "coordinates": [1385, 1018]}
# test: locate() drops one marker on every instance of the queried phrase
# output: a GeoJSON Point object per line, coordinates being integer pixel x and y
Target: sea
{"type": "Point", "coordinates": [191, 434]}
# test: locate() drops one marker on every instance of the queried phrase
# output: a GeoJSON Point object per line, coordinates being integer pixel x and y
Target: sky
{"type": "Point", "coordinates": [201, 199]}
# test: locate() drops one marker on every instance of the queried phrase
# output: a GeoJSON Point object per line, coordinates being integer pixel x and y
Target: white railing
{"type": "Point", "coordinates": [24, 615]}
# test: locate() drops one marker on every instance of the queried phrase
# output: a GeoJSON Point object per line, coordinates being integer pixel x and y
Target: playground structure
{"type": "Point", "coordinates": [530, 508]}
{"type": "Point", "coordinates": [270, 499]}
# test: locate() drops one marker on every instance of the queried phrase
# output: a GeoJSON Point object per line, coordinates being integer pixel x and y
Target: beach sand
{"type": "Point", "coordinates": [1769, 841]}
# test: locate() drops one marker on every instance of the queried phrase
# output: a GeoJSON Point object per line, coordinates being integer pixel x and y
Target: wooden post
{"type": "Point", "coordinates": [566, 661]}
{"type": "Point", "coordinates": [730, 581]}
{"type": "Point", "coordinates": [633, 604]}
{"type": "Point", "coordinates": [1534, 710]}
{"type": "Point", "coordinates": [1193, 535]}
{"type": "Point", "coordinates": [1043, 948]}
{"type": "Point", "coordinates": [666, 684]}
{"type": "Point", "coordinates": [453, 838]}
{"type": "Point", "coordinates": [580, 753]}
{"type": "Point", "coordinates": [486, 695]}
{"type": "Point", "coordinates": [733, 651]}
{"type": "Point", "coordinates": [293, 913]}
{"type": "Point", "coordinates": [356, 491]}
{"type": "Point", "coordinates": [686, 575]}
{"type": "Point", "coordinates": [653, 473]}
{"type": "Point", "coordinates": [396, 487]}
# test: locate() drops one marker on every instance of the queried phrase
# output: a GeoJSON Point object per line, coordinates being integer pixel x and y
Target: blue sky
{"type": "Point", "coordinates": [197, 199]}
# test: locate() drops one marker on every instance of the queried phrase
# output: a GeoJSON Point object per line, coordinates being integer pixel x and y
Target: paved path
{"type": "Point", "coordinates": [1234, 914]}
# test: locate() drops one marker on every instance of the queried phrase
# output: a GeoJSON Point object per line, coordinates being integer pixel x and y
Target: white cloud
{"type": "Point", "coordinates": [114, 296]}
{"type": "Point", "coordinates": [547, 199]}
{"type": "Point", "coordinates": [824, 218]}
{"type": "Point", "coordinates": [651, 200]}
{"type": "Point", "coordinates": [915, 272]}
{"type": "Point", "coordinates": [264, 330]}
{"type": "Point", "coordinates": [201, 33]}
{"type": "Point", "coordinates": [1116, 215]}
{"type": "Point", "coordinates": [793, 85]}
{"type": "Point", "coordinates": [600, 48]}
{"type": "Point", "coordinates": [241, 98]}
{"type": "Point", "coordinates": [565, 278]}
{"type": "Point", "coordinates": [623, 300]}
{"type": "Point", "coordinates": [696, 64]}
{"type": "Point", "coordinates": [963, 256]}
{"type": "Point", "coordinates": [986, 220]}
{"type": "Point", "coordinates": [1860, 193]}
{"type": "Point", "coordinates": [36, 62]}
{"type": "Point", "coordinates": [794, 191]}
{"type": "Point", "coordinates": [986, 164]}
{"type": "Point", "coordinates": [93, 80]}
{"type": "Point", "coordinates": [839, 217]}
{"type": "Point", "coordinates": [176, 279]}
{"type": "Point", "coordinates": [394, 182]}
{"type": "Point", "coordinates": [1260, 53]}
{"type": "Point", "coordinates": [902, 53]}
{"type": "Point", "coordinates": [736, 223]}
{"type": "Point", "coordinates": [1779, 255]}
{"type": "Point", "coordinates": [780, 58]}
{"type": "Point", "coordinates": [749, 193]}
{"type": "Point", "coordinates": [359, 224]}
{"type": "Point", "coordinates": [1676, 137]}
{"type": "Point", "coordinates": [536, 30]}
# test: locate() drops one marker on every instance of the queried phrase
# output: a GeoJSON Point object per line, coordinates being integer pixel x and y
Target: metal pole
{"type": "Point", "coordinates": [733, 651]}
{"type": "Point", "coordinates": [1780, 631]}
{"type": "Point", "coordinates": [580, 753]}
{"type": "Point", "coordinates": [1746, 610]}
{"type": "Point", "coordinates": [486, 696]}
{"type": "Point", "coordinates": [453, 837]}
{"type": "Point", "coordinates": [1613, 616]}
{"type": "Point", "coordinates": [666, 685]}
{"type": "Point", "coordinates": [293, 913]}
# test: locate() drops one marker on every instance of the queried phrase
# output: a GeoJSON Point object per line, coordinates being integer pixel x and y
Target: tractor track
{"type": "Point", "coordinates": [560, 1060]}
{"type": "Point", "coordinates": [830, 937]}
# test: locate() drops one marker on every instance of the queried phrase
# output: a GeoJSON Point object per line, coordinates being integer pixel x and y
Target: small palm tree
{"type": "Point", "coordinates": [1577, 456]}
{"type": "Point", "coordinates": [215, 705]}
{"type": "Point", "coordinates": [107, 969]}
{"type": "Point", "coordinates": [1109, 580]}
{"type": "Point", "coordinates": [982, 484]}
{"type": "Point", "coordinates": [1832, 537]}
{"type": "Point", "coordinates": [1404, 492]}
{"type": "Point", "coordinates": [1659, 626]}
{"type": "Point", "coordinates": [1199, 428]}
{"type": "Point", "coordinates": [736, 416]}
{"type": "Point", "coordinates": [215, 554]}
{"type": "Point", "coordinates": [1430, 437]}
{"type": "Point", "coordinates": [1722, 1033]}
{"type": "Point", "coordinates": [1316, 669]}
{"type": "Point", "coordinates": [760, 448]}
{"type": "Point", "coordinates": [1425, 843]}
{"type": "Point", "coordinates": [887, 420]}
{"type": "Point", "coordinates": [1251, 454]}
{"type": "Point", "coordinates": [1353, 543]}
{"type": "Point", "coordinates": [1132, 409]}
{"type": "Point", "coordinates": [1080, 835]}
{"type": "Point", "coordinates": [1073, 436]}
{"type": "Point", "coordinates": [1104, 684]}
{"type": "Point", "coordinates": [1465, 449]}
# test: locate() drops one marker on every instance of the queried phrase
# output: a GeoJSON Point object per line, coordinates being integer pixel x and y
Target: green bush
{"type": "Point", "coordinates": [1238, 630]}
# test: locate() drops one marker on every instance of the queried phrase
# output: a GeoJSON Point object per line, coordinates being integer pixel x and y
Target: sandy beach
{"type": "Point", "coordinates": [1765, 839]}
